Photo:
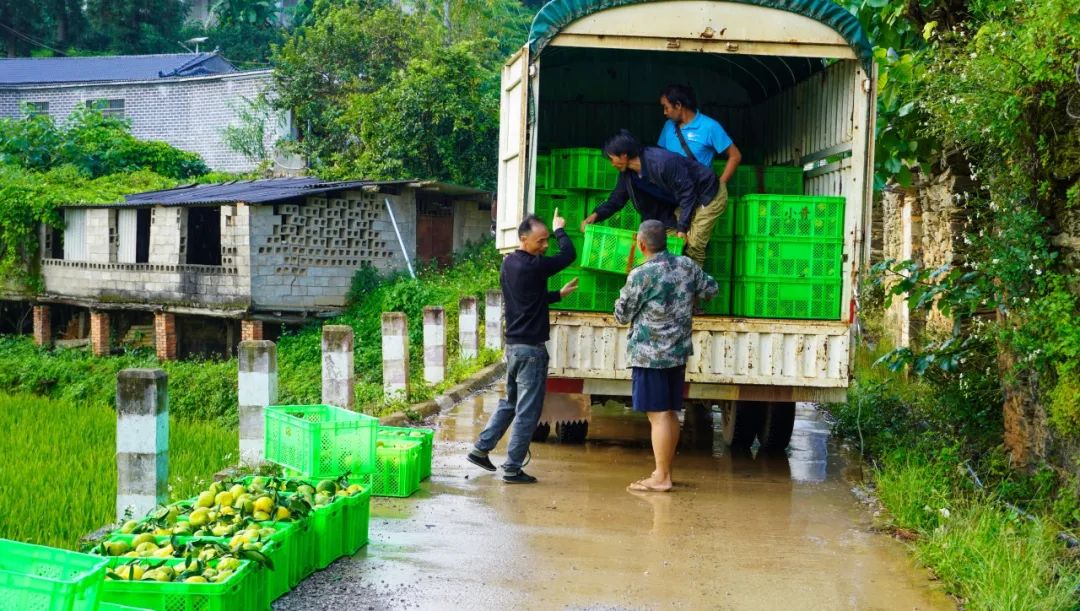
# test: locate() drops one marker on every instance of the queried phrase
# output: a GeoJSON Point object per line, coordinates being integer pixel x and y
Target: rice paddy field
{"type": "Point", "coordinates": [58, 466]}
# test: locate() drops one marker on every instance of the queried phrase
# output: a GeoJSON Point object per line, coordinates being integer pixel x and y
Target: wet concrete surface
{"type": "Point", "coordinates": [738, 531]}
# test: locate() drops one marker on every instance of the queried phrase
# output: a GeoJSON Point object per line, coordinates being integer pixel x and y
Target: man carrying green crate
{"type": "Point", "coordinates": [524, 277]}
{"type": "Point", "coordinates": [657, 302]}
{"type": "Point", "coordinates": [683, 195]}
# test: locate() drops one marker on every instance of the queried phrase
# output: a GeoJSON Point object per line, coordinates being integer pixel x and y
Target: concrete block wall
{"type": "Point", "coordinates": [471, 223]}
{"type": "Point", "coordinates": [189, 113]}
{"type": "Point", "coordinates": [305, 255]}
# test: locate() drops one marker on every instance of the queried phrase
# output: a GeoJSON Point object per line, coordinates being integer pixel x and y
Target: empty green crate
{"type": "Point", "coordinates": [426, 437]}
{"type": "Point", "coordinates": [115, 607]}
{"type": "Point", "coordinates": [718, 258]}
{"type": "Point", "coordinates": [783, 180]}
{"type": "Point", "coordinates": [721, 304]}
{"type": "Point", "coordinates": [576, 238]}
{"type": "Point", "coordinates": [37, 577]}
{"type": "Point", "coordinates": [582, 168]}
{"type": "Point", "coordinates": [745, 181]}
{"type": "Point", "coordinates": [787, 298]}
{"type": "Point", "coordinates": [627, 218]}
{"type": "Point", "coordinates": [789, 258]}
{"type": "Point", "coordinates": [570, 204]}
{"type": "Point", "coordinates": [543, 171]}
{"type": "Point", "coordinates": [397, 471]}
{"type": "Point", "coordinates": [320, 441]}
{"type": "Point", "coordinates": [615, 250]}
{"type": "Point", "coordinates": [790, 216]}
{"type": "Point", "coordinates": [241, 592]}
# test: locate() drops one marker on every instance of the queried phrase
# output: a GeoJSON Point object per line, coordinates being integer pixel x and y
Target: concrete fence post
{"type": "Point", "coordinates": [395, 355]}
{"type": "Point", "coordinates": [338, 375]}
{"type": "Point", "coordinates": [142, 440]}
{"type": "Point", "coordinates": [468, 328]}
{"type": "Point", "coordinates": [434, 344]}
{"type": "Point", "coordinates": [257, 389]}
{"type": "Point", "coordinates": [493, 320]}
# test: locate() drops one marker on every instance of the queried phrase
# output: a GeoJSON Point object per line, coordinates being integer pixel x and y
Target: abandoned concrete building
{"type": "Point", "coordinates": [195, 269]}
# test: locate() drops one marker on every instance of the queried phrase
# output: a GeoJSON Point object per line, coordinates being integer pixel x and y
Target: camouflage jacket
{"type": "Point", "coordinates": [658, 303]}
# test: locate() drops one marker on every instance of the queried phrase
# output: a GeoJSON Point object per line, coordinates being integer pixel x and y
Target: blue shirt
{"type": "Point", "coordinates": [703, 134]}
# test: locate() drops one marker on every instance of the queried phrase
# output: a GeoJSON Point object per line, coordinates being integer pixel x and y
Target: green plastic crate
{"type": "Point", "coordinates": [115, 607]}
{"type": "Point", "coordinates": [718, 258]}
{"type": "Point", "coordinates": [357, 520]}
{"type": "Point", "coordinates": [571, 205]}
{"type": "Point", "coordinates": [809, 299]}
{"type": "Point", "coordinates": [328, 530]}
{"type": "Point", "coordinates": [426, 437]}
{"type": "Point", "coordinates": [398, 470]}
{"type": "Point", "coordinates": [745, 181]}
{"type": "Point", "coordinates": [789, 258]}
{"type": "Point", "coordinates": [597, 291]}
{"type": "Point", "coordinates": [320, 441]}
{"type": "Point", "coordinates": [615, 250]}
{"type": "Point", "coordinates": [627, 218]}
{"type": "Point", "coordinates": [721, 304]}
{"type": "Point", "coordinates": [783, 180]}
{"type": "Point", "coordinates": [34, 577]}
{"type": "Point", "coordinates": [543, 171]}
{"type": "Point", "coordinates": [582, 168]}
{"type": "Point", "coordinates": [576, 238]}
{"type": "Point", "coordinates": [243, 591]}
{"type": "Point", "coordinates": [790, 216]}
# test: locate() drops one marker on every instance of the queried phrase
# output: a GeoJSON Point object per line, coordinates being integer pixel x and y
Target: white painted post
{"type": "Point", "coordinates": [493, 320]}
{"type": "Point", "coordinates": [468, 328]}
{"type": "Point", "coordinates": [257, 389]}
{"type": "Point", "coordinates": [395, 355]}
{"type": "Point", "coordinates": [338, 377]}
{"type": "Point", "coordinates": [142, 441]}
{"type": "Point", "coordinates": [434, 344]}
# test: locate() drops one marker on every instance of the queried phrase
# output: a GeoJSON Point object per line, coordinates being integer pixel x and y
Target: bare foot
{"type": "Point", "coordinates": [650, 485]}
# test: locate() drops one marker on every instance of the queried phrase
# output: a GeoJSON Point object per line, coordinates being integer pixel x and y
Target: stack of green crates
{"type": "Point", "coordinates": [789, 256]}
{"type": "Point", "coordinates": [397, 469]}
{"type": "Point", "coordinates": [425, 437]}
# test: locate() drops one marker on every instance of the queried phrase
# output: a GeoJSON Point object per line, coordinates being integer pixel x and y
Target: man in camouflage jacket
{"type": "Point", "coordinates": [658, 303]}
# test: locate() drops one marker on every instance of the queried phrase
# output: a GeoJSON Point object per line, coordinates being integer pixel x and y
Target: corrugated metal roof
{"type": "Point", "coordinates": [39, 70]}
{"type": "Point", "coordinates": [247, 191]}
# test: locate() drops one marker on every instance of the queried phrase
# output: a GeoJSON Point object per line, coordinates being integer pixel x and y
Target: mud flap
{"type": "Point", "coordinates": [569, 414]}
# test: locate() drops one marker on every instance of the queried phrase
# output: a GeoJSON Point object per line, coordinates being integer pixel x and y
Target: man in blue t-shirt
{"type": "Point", "coordinates": [690, 133]}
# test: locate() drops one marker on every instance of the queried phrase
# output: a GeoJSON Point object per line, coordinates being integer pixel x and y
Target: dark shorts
{"type": "Point", "coordinates": [657, 390]}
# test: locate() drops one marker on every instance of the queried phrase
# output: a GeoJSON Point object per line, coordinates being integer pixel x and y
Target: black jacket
{"type": "Point", "coordinates": [689, 183]}
{"type": "Point", "coordinates": [524, 281]}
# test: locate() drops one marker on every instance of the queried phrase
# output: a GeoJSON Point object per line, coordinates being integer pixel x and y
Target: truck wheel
{"type": "Point", "coordinates": [742, 419]}
{"type": "Point", "coordinates": [542, 431]}
{"type": "Point", "coordinates": [776, 426]}
{"type": "Point", "coordinates": [572, 432]}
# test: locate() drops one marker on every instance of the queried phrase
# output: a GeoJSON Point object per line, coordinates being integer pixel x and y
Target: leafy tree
{"type": "Point", "coordinates": [438, 118]}
{"type": "Point", "coordinates": [135, 26]}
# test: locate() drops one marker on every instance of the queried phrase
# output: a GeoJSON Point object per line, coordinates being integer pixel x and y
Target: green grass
{"type": "Point", "coordinates": [58, 473]}
{"type": "Point", "coordinates": [983, 552]}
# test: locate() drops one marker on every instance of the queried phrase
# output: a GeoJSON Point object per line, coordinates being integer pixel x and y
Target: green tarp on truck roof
{"type": "Point", "coordinates": [557, 14]}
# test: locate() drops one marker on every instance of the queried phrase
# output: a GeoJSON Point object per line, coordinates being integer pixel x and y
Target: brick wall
{"type": "Point", "coordinates": [165, 335]}
{"type": "Point", "coordinates": [188, 113]}
{"type": "Point", "coordinates": [99, 332]}
{"type": "Point", "coordinates": [42, 325]}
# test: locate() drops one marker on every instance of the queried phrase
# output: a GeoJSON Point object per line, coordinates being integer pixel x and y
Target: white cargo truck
{"type": "Point", "coordinates": [793, 83]}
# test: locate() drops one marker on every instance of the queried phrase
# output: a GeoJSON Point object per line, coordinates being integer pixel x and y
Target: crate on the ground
{"type": "Point", "coordinates": [242, 591]}
{"type": "Point", "coordinates": [115, 607]}
{"type": "Point", "coordinates": [320, 441]}
{"type": "Point", "coordinates": [780, 258]}
{"type": "Point", "coordinates": [790, 216]}
{"type": "Point", "coordinates": [328, 528]}
{"type": "Point", "coordinates": [38, 577]}
{"type": "Point", "coordinates": [783, 180]}
{"type": "Point", "coordinates": [582, 168]}
{"type": "Point", "coordinates": [543, 171]}
{"type": "Point", "coordinates": [615, 250]}
{"type": "Point", "coordinates": [397, 471]}
{"type": "Point", "coordinates": [357, 520]}
{"type": "Point", "coordinates": [426, 437]}
{"type": "Point", "coordinates": [809, 299]}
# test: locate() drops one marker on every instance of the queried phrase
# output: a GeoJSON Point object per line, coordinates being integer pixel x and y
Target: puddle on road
{"type": "Point", "coordinates": [740, 531]}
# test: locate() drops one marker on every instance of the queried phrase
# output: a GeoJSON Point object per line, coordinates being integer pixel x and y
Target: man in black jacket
{"type": "Point", "coordinates": [524, 279]}
{"type": "Point", "coordinates": [680, 193]}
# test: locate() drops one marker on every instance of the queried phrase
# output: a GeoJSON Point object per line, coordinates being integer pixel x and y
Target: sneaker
{"type": "Point", "coordinates": [480, 461]}
{"type": "Point", "coordinates": [520, 477]}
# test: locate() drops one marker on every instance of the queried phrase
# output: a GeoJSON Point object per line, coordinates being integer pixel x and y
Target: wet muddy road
{"type": "Point", "coordinates": [738, 532]}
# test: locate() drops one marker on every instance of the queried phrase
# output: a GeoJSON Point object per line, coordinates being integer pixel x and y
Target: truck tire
{"type": "Point", "coordinates": [742, 420]}
{"type": "Point", "coordinates": [776, 426]}
{"type": "Point", "coordinates": [572, 432]}
{"type": "Point", "coordinates": [542, 431]}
